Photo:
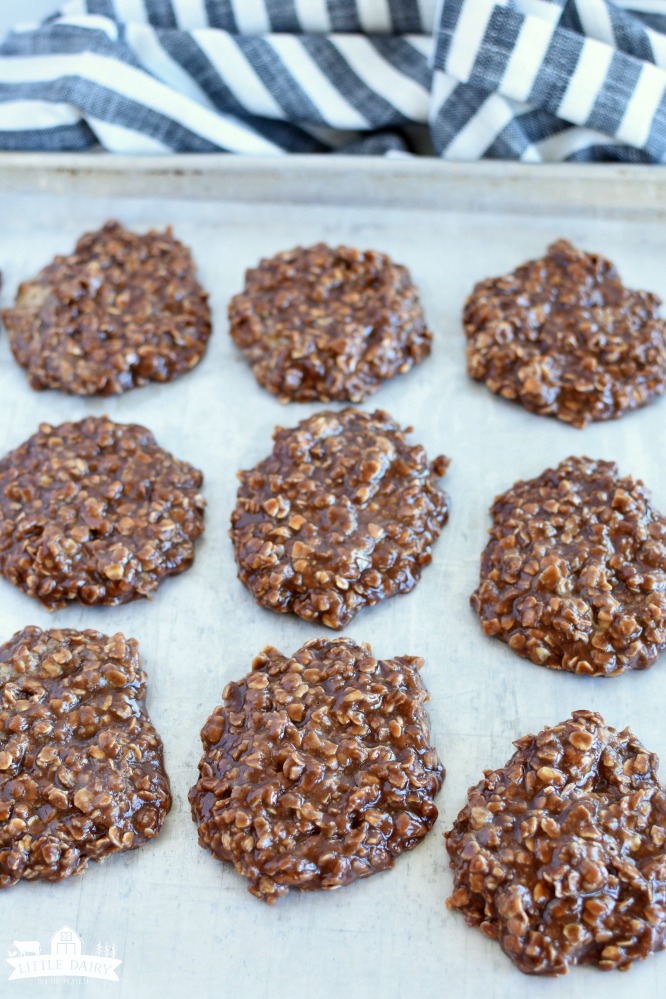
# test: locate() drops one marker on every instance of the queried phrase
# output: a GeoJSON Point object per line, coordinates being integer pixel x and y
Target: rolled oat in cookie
{"type": "Point", "coordinates": [323, 323]}
{"type": "Point", "coordinates": [574, 574]}
{"type": "Point", "coordinates": [318, 768]}
{"type": "Point", "coordinates": [564, 337]}
{"type": "Point", "coordinates": [96, 511]}
{"type": "Point", "coordinates": [81, 766]}
{"type": "Point", "coordinates": [560, 855]}
{"type": "Point", "coordinates": [119, 312]}
{"type": "Point", "coordinates": [341, 515]}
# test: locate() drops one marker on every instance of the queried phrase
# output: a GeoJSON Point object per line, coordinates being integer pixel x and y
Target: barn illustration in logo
{"type": "Point", "coordinates": [65, 958]}
{"type": "Point", "coordinates": [66, 943]}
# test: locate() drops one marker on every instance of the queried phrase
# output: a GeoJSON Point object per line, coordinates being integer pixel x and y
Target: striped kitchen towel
{"type": "Point", "coordinates": [535, 80]}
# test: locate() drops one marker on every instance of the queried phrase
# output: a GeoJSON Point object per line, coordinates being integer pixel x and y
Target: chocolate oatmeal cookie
{"type": "Point", "coordinates": [564, 337]}
{"type": "Point", "coordinates": [560, 855]}
{"type": "Point", "coordinates": [318, 769]}
{"type": "Point", "coordinates": [574, 574]}
{"type": "Point", "coordinates": [342, 514]}
{"type": "Point", "coordinates": [121, 311]}
{"type": "Point", "coordinates": [326, 324]}
{"type": "Point", "coordinates": [81, 768]}
{"type": "Point", "coordinates": [95, 511]}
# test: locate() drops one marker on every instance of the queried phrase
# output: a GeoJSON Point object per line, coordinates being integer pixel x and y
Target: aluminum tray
{"type": "Point", "coordinates": [180, 921]}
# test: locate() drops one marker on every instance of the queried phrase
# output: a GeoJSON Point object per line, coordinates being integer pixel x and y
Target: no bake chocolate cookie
{"type": "Point", "coordinates": [565, 338]}
{"type": "Point", "coordinates": [560, 855]}
{"type": "Point", "coordinates": [323, 323]}
{"type": "Point", "coordinates": [96, 511]}
{"type": "Point", "coordinates": [122, 310]}
{"type": "Point", "coordinates": [81, 768]}
{"type": "Point", "coordinates": [342, 514]}
{"type": "Point", "coordinates": [318, 768]}
{"type": "Point", "coordinates": [574, 574]}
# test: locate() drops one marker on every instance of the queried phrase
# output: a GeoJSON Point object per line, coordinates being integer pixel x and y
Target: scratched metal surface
{"type": "Point", "coordinates": [179, 920]}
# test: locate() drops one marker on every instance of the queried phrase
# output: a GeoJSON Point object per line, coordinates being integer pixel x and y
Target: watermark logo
{"type": "Point", "coordinates": [65, 959]}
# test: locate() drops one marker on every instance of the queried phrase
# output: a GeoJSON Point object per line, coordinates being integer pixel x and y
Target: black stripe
{"type": "Point", "coordinates": [499, 39]}
{"type": "Point", "coordinates": [655, 21]}
{"type": "Point", "coordinates": [220, 14]}
{"type": "Point", "coordinates": [606, 153]}
{"type": "Point", "coordinates": [160, 14]}
{"type": "Point", "coordinates": [282, 15]}
{"type": "Point", "coordinates": [286, 135]}
{"type": "Point", "coordinates": [611, 104]}
{"type": "Point", "coordinates": [444, 34]}
{"type": "Point", "coordinates": [293, 100]}
{"type": "Point", "coordinates": [656, 143]}
{"type": "Point", "coordinates": [450, 15]}
{"type": "Point", "coordinates": [406, 17]}
{"type": "Point", "coordinates": [570, 18]}
{"type": "Point", "coordinates": [57, 138]}
{"type": "Point", "coordinates": [630, 35]}
{"type": "Point", "coordinates": [343, 15]}
{"type": "Point", "coordinates": [556, 70]}
{"type": "Point", "coordinates": [103, 7]}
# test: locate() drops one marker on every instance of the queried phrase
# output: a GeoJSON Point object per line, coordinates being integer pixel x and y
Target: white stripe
{"type": "Point", "coordinates": [545, 10]}
{"type": "Point", "coordinates": [144, 42]}
{"type": "Point", "coordinates": [586, 82]}
{"type": "Point", "coordinates": [530, 155]}
{"type": "Point", "coordinates": [648, 7]}
{"type": "Point", "coordinates": [408, 96]}
{"type": "Point", "coordinates": [595, 20]}
{"type": "Point", "coordinates": [424, 44]}
{"type": "Point", "coordinates": [375, 16]}
{"type": "Point", "coordinates": [526, 58]}
{"type": "Point", "coordinates": [658, 43]}
{"type": "Point", "coordinates": [467, 38]}
{"type": "Point", "coordinates": [131, 82]}
{"type": "Point", "coordinates": [190, 14]}
{"type": "Point", "coordinates": [131, 10]}
{"type": "Point", "coordinates": [428, 10]}
{"type": "Point", "coordinates": [314, 14]}
{"type": "Point", "coordinates": [118, 139]}
{"type": "Point", "coordinates": [238, 74]}
{"type": "Point", "coordinates": [639, 113]}
{"type": "Point", "coordinates": [481, 131]}
{"type": "Point", "coordinates": [251, 17]}
{"type": "Point", "coordinates": [23, 115]}
{"type": "Point", "coordinates": [330, 103]}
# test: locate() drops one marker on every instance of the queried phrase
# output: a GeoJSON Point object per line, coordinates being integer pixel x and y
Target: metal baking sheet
{"type": "Point", "coordinates": [179, 921]}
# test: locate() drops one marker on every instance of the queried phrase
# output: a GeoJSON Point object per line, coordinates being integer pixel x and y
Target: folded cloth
{"type": "Point", "coordinates": [534, 80]}
{"type": "Point", "coordinates": [540, 80]}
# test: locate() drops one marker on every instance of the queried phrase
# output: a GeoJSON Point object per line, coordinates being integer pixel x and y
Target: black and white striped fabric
{"type": "Point", "coordinates": [540, 80]}
{"type": "Point", "coordinates": [534, 80]}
